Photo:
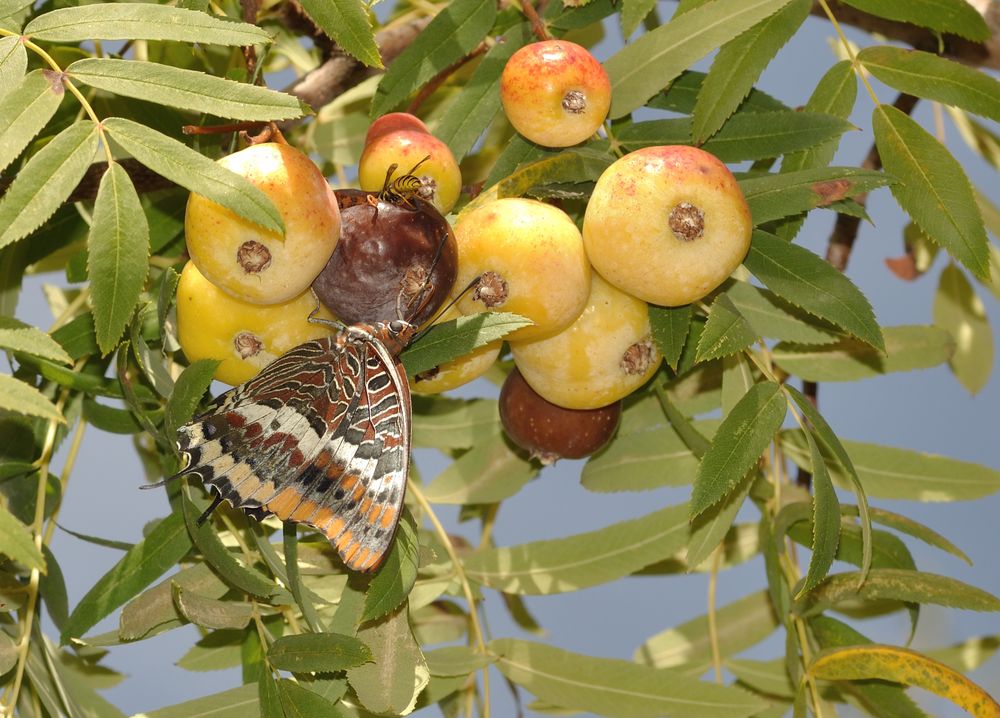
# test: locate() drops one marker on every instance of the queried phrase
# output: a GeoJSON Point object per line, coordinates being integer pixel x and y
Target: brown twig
{"type": "Point", "coordinates": [247, 126]}
{"type": "Point", "coordinates": [250, 10]}
{"type": "Point", "coordinates": [537, 26]}
{"type": "Point", "coordinates": [439, 79]}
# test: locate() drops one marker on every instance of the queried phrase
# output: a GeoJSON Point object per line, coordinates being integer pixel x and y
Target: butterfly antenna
{"type": "Point", "coordinates": [319, 320]}
{"type": "Point", "coordinates": [162, 482]}
{"type": "Point", "coordinates": [468, 287]}
{"type": "Point", "coordinates": [208, 512]}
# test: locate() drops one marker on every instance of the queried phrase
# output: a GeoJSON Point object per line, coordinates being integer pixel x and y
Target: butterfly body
{"type": "Point", "coordinates": [321, 436]}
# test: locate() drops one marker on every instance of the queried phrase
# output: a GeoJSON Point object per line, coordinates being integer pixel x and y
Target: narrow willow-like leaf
{"type": "Point", "coordinates": [901, 665]}
{"type": "Point", "coordinates": [891, 473]}
{"type": "Point", "coordinates": [16, 336]}
{"type": "Point", "coordinates": [746, 136]}
{"type": "Point", "coordinates": [297, 701]}
{"type": "Point", "coordinates": [396, 672]}
{"type": "Point", "coordinates": [687, 646]}
{"type": "Point", "coordinates": [212, 613]}
{"type": "Point", "coordinates": [738, 444]}
{"type": "Point", "coordinates": [906, 348]}
{"type": "Point", "coordinates": [682, 95]}
{"type": "Point", "coordinates": [234, 703]}
{"type": "Point", "coordinates": [46, 180]}
{"type": "Point", "coordinates": [22, 398]}
{"type": "Point", "coordinates": [13, 63]}
{"type": "Point", "coordinates": [8, 652]}
{"type": "Point", "coordinates": [17, 543]}
{"type": "Point", "coordinates": [825, 520]}
{"type": "Point", "coordinates": [797, 275]}
{"type": "Point", "coordinates": [153, 611]}
{"type": "Point", "coordinates": [641, 69]}
{"type": "Point", "coordinates": [774, 318]}
{"type": "Point", "coordinates": [588, 559]}
{"type": "Point", "coordinates": [214, 652]}
{"type": "Point", "coordinates": [397, 574]}
{"type": "Point", "coordinates": [163, 547]}
{"type": "Point", "coordinates": [490, 471]}
{"type": "Point", "coordinates": [967, 655]}
{"type": "Point", "coordinates": [669, 327]}
{"type": "Point", "coordinates": [26, 109]}
{"type": "Point", "coordinates": [955, 16]}
{"type": "Point", "coordinates": [185, 89]}
{"type": "Point", "coordinates": [290, 544]}
{"type": "Point", "coordinates": [195, 172]}
{"type": "Point", "coordinates": [611, 687]}
{"type": "Point", "coordinates": [141, 21]}
{"type": "Point", "coordinates": [710, 529]}
{"type": "Point", "coordinates": [726, 331]}
{"type": "Point", "coordinates": [516, 153]}
{"type": "Point", "coordinates": [634, 12]}
{"type": "Point", "coordinates": [960, 311]}
{"type": "Point", "coordinates": [911, 528]}
{"type": "Point", "coordinates": [738, 65]}
{"type": "Point", "coordinates": [117, 255]}
{"type": "Point", "coordinates": [9, 7]}
{"type": "Point", "coordinates": [317, 652]}
{"type": "Point", "coordinates": [898, 585]}
{"type": "Point", "coordinates": [780, 195]}
{"type": "Point", "coordinates": [932, 187]}
{"type": "Point", "coordinates": [935, 78]}
{"type": "Point", "coordinates": [441, 422]}
{"type": "Point", "coordinates": [187, 393]}
{"type": "Point", "coordinates": [455, 338]}
{"type": "Point", "coordinates": [115, 421]}
{"type": "Point", "coordinates": [347, 22]}
{"type": "Point", "coordinates": [579, 164]}
{"type": "Point", "coordinates": [452, 33]}
{"type": "Point", "coordinates": [455, 661]}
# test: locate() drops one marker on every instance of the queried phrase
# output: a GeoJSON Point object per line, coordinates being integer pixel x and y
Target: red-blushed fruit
{"type": "Point", "coordinates": [555, 93]}
{"type": "Point", "coordinates": [417, 152]}
{"type": "Point", "coordinates": [550, 432]}
{"type": "Point", "coordinates": [667, 224]}
{"type": "Point", "coordinates": [393, 261]}
{"type": "Point", "coordinates": [245, 337]}
{"type": "Point", "coordinates": [532, 261]}
{"type": "Point", "coordinates": [249, 262]}
{"type": "Point", "coordinates": [393, 122]}
{"type": "Point", "coordinates": [603, 356]}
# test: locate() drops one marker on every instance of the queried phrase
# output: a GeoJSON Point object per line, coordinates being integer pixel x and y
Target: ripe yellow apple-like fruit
{"type": "Point", "coordinates": [459, 371]}
{"type": "Point", "coordinates": [245, 337]}
{"type": "Point", "coordinates": [667, 224]}
{"type": "Point", "coordinates": [254, 264]}
{"type": "Point", "coordinates": [605, 355]}
{"type": "Point", "coordinates": [531, 259]}
{"type": "Point", "coordinates": [555, 93]}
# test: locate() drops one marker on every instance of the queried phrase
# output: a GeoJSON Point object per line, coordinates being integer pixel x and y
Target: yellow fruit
{"type": "Point", "coordinates": [456, 372]}
{"type": "Point", "coordinates": [667, 224]}
{"type": "Point", "coordinates": [603, 356]}
{"type": "Point", "coordinates": [250, 262]}
{"type": "Point", "coordinates": [534, 257]}
{"type": "Point", "coordinates": [245, 337]}
{"type": "Point", "coordinates": [439, 175]}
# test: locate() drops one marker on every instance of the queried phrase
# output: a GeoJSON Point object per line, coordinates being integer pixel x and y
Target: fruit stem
{"type": "Point", "coordinates": [537, 26]}
{"type": "Point", "coordinates": [849, 50]}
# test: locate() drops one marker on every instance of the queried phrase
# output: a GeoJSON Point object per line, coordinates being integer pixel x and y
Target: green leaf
{"type": "Point", "coordinates": [746, 136]}
{"type": "Point", "coordinates": [348, 24]}
{"type": "Point", "coordinates": [738, 65]}
{"type": "Point", "coordinates": [454, 32]}
{"type": "Point", "coordinates": [212, 613]}
{"type": "Point", "coordinates": [825, 520]}
{"type": "Point", "coordinates": [195, 172]}
{"type": "Point", "coordinates": [185, 89]}
{"type": "Point", "coordinates": [163, 547]}
{"type": "Point", "coordinates": [890, 473]}
{"type": "Point", "coordinates": [517, 152]}
{"type": "Point", "coordinates": [682, 96]}
{"type": "Point", "coordinates": [588, 559]}
{"type": "Point", "coordinates": [153, 611]}
{"type": "Point", "coordinates": [772, 317]}
{"type": "Point", "coordinates": [577, 164]}
{"type": "Point", "coordinates": [31, 102]}
{"type": "Point", "coordinates": [611, 687]}
{"type": "Point", "coordinates": [441, 422]}
{"type": "Point", "coordinates": [110, 419]}
{"type": "Point", "coordinates": [669, 327]}
{"type": "Point", "coordinates": [319, 652]}
{"type": "Point", "coordinates": [785, 194]}
{"type": "Point", "coordinates": [932, 187]}
{"type": "Point", "coordinates": [17, 543]}
{"type": "Point", "coordinates": [934, 78]}
{"type": "Point", "coordinates": [642, 68]}
{"type": "Point", "coordinates": [455, 338]}
{"type": "Point", "coordinates": [798, 276]}
{"type": "Point", "coordinates": [960, 311]}
{"type": "Point", "coordinates": [13, 63]}
{"type": "Point", "coordinates": [896, 584]}
{"type": "Point", "coordinates": [742, 437]}
{"type": "Point", "coordinates": [8, 653]}
{"type": "Point", "coordinates": [687, 646]}
{"type": "Point", "coordinates": [118, 255]}
{"type": "Point", "coordinates": [967, 655]}
{"type": "Point", "coordinates": [391, 681]}
{"type": "Point", "coordinates": [634, 12]}
{"type": "Point", "coordinates": [187, 394]}
{"type": "Point", "coordinates": [22, 398]}
{"type": "Point", "coordinates": [46, 180]}
{"type": "Point", "coordinates": [16, 336]}
{"type": "Point", "coordinates": [955, 16]}
{"type": "Point", "coordinates": [911, 528]}
{"type": "Point", "coordinates": [214, 652]}
{"type": "Point", "coordinates": [726, 331]}
{"type": "Point", "coordinates": [710, 529]}
{"type": "Point", "coordinates": [299, 702]}
{"type": "Point", "coordinates": [455, 661]}
{"type": "Point", "coordinates": [140, 21]}
{"type": "Point", "coordinates": [9, 7]}
{"type": "Point", "coordinates": [768, 677]}
{"type": "Point", "coordinates": [234, 703]}
{"type": "Point", "coordinates": [906, 348]}
{"type": "Point", "coordinates": [397, 574]}
{"type": "Point", "coordinates": [490, 471]}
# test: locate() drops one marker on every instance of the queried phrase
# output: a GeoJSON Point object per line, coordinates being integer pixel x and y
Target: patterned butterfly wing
{"type": "Point", "coordinates": [321, 437]}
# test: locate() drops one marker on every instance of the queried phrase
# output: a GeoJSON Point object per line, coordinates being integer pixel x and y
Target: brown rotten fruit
{"type": "Point", "coordinates": [550, 432]}
{"type": "Point", "coordinates": [394, 260]}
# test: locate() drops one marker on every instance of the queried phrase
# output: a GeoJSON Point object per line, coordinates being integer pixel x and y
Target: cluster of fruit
{"type": "Point", "coordinates": [664, 225]}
